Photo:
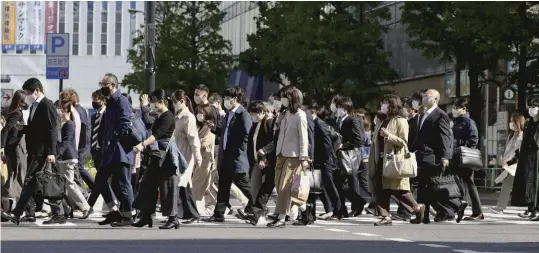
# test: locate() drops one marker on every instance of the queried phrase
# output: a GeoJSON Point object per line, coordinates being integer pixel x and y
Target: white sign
{"type": "Point", "coordinates": [57, 62]}
{"type": "Point", "coordinates": [7, 95]}
{"type": "Point", "coordinates": [509, 94]}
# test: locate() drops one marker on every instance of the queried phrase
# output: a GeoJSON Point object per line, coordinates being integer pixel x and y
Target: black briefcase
{"type": "Point", "coordinates": [50, 183]}
{"type": "Point", "coordinates": [469, 158]}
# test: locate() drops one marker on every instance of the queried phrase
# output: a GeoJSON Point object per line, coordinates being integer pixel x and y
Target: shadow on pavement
{"type": "Point", "coordinates": [260, 246]}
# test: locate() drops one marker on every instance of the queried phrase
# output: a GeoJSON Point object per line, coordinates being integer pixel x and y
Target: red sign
{"type": "Point", "coordinates": [6, 97]}
{"type": "Point", "coordinates": [62, 73]}
{"type": "Point", "coordinates": [51, 17]}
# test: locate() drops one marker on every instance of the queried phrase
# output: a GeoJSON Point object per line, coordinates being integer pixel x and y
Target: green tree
{"type": "Point", "coordinates": [469, 34]}
{"type": "Point", "coordinates": [322, 47]}
{"type": "Point", "coordinates": [189, 48]}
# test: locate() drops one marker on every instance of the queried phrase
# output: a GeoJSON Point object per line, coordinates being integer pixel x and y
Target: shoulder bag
{"type": "Point", "coordinates": [396, 167]}
{"type": "Point", "coordinates": [348, 160]}
{"type": "Point", "coordinates": [469, 158]}
{"type": "Point", "coordinates": [50, 183]}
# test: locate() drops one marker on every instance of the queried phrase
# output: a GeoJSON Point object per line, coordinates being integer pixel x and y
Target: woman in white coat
{"type": "Point", "coordinates": [186, 137]}
{"type": "Point", "coordinates": [509, 161]}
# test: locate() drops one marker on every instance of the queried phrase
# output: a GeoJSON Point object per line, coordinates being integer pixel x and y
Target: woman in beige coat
{"type": "Point", "coordinates": [186, 137]}
{"type": "Point", "coordinates": [390, 136]}
{"type": "Point", "coordinates": [202, 179]}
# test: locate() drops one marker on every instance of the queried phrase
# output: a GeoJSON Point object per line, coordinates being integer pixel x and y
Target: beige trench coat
{"type": "Point", "coordinates": [395, 142]}
{"type": "Point", "coordinates": [186, 137]}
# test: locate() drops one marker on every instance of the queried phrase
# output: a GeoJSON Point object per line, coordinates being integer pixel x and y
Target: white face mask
{"type": "Point", "coordinates": [456, 113]}
{"type": "Point", "coordinates": [284, 101]}
{"type": "Point", "coordinates": [200, 117]}
{"type": "Point", "coordinates": [152, 107]}
{"type": "Point", "coordinates": [340, 112]}
{"type": "Point", "coordinates": [384, 108]}
{"type": "Point", "coordinates": [228, 103]}
{"type": "Point", "coordinates": [533, 111]}
{"type": "Point", "coordinates": [332, 107]}
{"type": "Point", "coordinates": [415, 105]}
{"type": "Point", "coordinates": [178, 106]}
{"type": "Point", "coordinates": [513, 126]}
{"type": "Point", "coordinates": [197, 99]}
{"type": "Point", "coordinates": [256, 118]}
{"type": "Point", "coordinates": [277, 105]}
{"type": "Point", "coordinates": [31, 99]}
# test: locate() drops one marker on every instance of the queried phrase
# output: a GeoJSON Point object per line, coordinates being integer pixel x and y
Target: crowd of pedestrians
{"type": "Point", "coordinates": [187, 159]}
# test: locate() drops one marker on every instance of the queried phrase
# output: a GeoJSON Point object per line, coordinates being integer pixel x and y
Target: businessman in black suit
{"type": "Point", "coordinates": [432, 147]}
{"type": "Point", "coordinates": [41, 141]}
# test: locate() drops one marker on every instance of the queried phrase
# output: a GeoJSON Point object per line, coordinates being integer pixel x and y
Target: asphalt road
{"type": "Point", "coordinates": [498, 233]}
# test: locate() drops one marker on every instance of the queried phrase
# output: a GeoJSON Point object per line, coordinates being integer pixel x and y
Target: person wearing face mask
{"type": "Point", "coordinates": [332, 118]}
{"type": "Point", "coordinates": [433, 149]}
{"type": "Point", "coordinates": [188, 142]}
{"type": "Point", "coordinates": [509, 161]}
{"type": "Point", "coordinates": [14, 152]}
{"type": "Point", "coordinates": [352, 132]}
{"type": "Point", "coordinates": [41, 135]}
{"type": "Point", "coordinates": [465, 134]}
{"type": "Point", "coordinates": [525, 188]}
{"type": "Point", "coordinates": [115, 125]}
{"type": "Point", "coordinates": [203, 175]}
{"type": "Point", "coordinates": [390, 137]}
{"type": "Point", "coordinates": [233, 161]}
{"type": "Point", "coordinates": [160, 174]}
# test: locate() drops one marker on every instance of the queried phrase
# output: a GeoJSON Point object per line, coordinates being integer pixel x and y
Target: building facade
{"type": "Point", "coordinates": [101, 32]}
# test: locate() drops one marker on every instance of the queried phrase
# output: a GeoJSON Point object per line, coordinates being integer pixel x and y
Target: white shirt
{"type": "Point", "coordinates": [426, 114]}
{"type": "Point", "coordinates": [342, 120]}
{"type": "Point", "coordinates": [230, 115]}
{"type": "Point", "coordinates": [34, 107]}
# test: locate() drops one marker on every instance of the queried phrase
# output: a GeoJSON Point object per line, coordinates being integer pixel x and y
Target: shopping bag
{"type": "Point", "coordinates": [301, 184]}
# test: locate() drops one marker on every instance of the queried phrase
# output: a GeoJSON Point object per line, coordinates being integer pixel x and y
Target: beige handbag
{"type": "Point", "coordinates": [396, 167]}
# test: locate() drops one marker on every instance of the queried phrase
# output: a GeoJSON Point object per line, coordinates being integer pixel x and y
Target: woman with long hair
{"type": "Point", "coordinates": [509, 160]}
{"type": "Point", "coordinates": [202, 176]}
{"type": "Point", "coordinates": [14, 150]}
{"type": "Point", "coordinates": [390, 137]}
{"type": "Point", "coordinates": [188, 142]}
{"type": "Point", "coordinates": [158, 175]}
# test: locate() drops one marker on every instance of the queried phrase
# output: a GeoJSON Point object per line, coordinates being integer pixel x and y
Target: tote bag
{"type": "Point", "coordinates": [396, 167]}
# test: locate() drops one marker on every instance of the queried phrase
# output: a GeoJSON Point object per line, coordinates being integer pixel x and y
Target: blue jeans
{"type": "Point", "coordinates": [121, 179]}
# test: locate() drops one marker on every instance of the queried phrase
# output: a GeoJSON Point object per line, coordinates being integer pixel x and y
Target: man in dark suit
{"type": "Point", "coordinates": [352, 132]}
{"type": "Point", "coordinates": [117, 154]}
{"type": "Point", "coordinates": [41, 142]}
{"type": "Point", "coordinates": [233, 163]}
{"type": "Point", "coordinates": [432, 147]}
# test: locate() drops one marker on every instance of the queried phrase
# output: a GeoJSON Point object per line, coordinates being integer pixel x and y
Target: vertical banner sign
{"type": "Point", "coordinates": [22, 26]}
{"type": "Point", "coordinates": [51, 17]}
{"type": "Point", "coordinates": [36, 26]}
{"type": "Point", "coordinates": [8, 25]}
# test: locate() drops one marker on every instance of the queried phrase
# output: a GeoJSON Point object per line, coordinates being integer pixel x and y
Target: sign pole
{"type": "Point", "coordinates": [61, 86]}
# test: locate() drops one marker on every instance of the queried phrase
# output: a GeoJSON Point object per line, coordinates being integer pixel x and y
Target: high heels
{"type": "Point", "coordinates": [172, 222]}
{"type": "Point", "coordinates": [145, 220]}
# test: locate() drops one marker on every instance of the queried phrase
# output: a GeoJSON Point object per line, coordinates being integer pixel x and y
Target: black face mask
{"type": "Point", "coordinates": [105, 91]}
{"type": "Point", "coordinates": [24, 106]}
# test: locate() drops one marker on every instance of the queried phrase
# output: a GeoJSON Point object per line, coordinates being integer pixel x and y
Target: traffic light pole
{"type": "Point", "coordinates": [150, 47]}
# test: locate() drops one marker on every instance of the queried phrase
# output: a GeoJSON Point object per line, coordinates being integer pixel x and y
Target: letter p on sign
{"type": "Point", "coordinates": [57, 42]}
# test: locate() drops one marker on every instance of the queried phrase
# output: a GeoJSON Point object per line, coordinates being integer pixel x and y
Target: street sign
{"type": "Point", "coordinates": [7, 95]}
{"type": "Point", "coordinates": [509, 95]}
{"type": "Point", "coordinates": [57, 56]}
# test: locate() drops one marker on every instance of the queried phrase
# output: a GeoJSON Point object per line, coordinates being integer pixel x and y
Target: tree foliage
{"type": "Point", "coordinates": [189, 48]}
{"type": "Point", "coordinates": [322, 47]}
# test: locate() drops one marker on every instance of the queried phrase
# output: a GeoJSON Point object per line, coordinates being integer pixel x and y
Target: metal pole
{"type": "Point", "coordinates": [150, 47]}
{"type": "Point", "coordinates": [61, 86]}
{"type": "Point", "coordinates": [486, 126]}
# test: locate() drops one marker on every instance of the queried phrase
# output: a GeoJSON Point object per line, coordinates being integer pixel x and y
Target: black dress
{"type": "Point", "coordinates": [525, 186]}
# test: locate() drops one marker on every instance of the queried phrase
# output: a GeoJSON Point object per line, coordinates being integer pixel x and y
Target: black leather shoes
{"type": "Point", "coordinates": [11, 217]}
{"type": "Point", "coordinates": [111, 217]}
{"type": "Point", "coordinates": [28, 219]}
{"type": "Point", "coordinates": [277, 224]}
{"type": "Point", "coordinates": [242, 215]}
{"type": "Point", "coordinates": [56, 219]}
{"type": "Point", "coordinates": [214, 219]}
{"type": "Point", "coordinates": [460, 212]}
{"type": "Point", "coordinates": [171, 223]}
{"type": "Point", "coordinates": [143, 221]}
{"type": "Point", "coordinates": [124, 222]}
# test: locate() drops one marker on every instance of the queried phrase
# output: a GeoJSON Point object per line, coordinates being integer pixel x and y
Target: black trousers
{"type": "Point", "coordinates": [226, 178]}
{"type": "Point", "coordinates": [264, 193]}
{"type": "Point", "coordinates": [331, 194]}
{"type": "Point", "coordinates": [187, 208]}
{"type": "Point", "coordinates": [443, 207]}
{"type": "Point", "coordinates": [28, 193]}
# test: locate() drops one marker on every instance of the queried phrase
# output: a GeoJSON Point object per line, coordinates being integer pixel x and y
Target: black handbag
{"type": "Point", "coordinates": [50, 183]}
{"type": "Point", "coordinates": [445, 187]}
{"type": "Point", "coordinates": [348, 160]}
{"type": "Point", "coordinates": [315, 180]}
{"type": "Point", "coordinates": [469, 158]}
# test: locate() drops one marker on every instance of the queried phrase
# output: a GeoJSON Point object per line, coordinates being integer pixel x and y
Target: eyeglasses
{"type": "Point", "coordinates": [102, 84]}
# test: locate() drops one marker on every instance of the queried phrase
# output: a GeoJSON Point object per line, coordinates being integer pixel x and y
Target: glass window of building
{"type": "Point", "coordinates": [90, 29]}
{"type": "Point", "coordinates": [76, 19]}
{"type": "Point", "coordinates": [118, 36]}
{"type": "Point", "coordinates": [104, 21]}
{"type": "Point", "coordinates": [132, 23]}
{"type": "Point", "coordinates": [62, 17]}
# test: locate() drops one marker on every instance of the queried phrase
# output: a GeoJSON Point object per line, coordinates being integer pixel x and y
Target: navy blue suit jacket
{"type": "Point", "coordinates": [115, 120]}
{"type": "Point", "coordinates": [85, 131]}
{"type": "Point", "coordinates": [233, 157]}
{"type": "Point", "coordinates": [66, 147]}
{"type": "Point", "coordinates": [323, 146]}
